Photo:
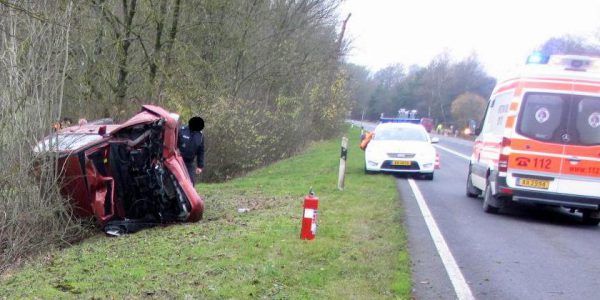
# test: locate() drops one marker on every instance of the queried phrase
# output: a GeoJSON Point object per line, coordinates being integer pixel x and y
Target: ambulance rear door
{"type": "Point", "coordinates": [581, 165]}
{"type": "Point", "coordinates": [537, 150]}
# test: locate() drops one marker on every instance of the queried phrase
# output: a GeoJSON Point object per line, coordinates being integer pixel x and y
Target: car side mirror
{"type": "Point", "coordinates": [435, 140]}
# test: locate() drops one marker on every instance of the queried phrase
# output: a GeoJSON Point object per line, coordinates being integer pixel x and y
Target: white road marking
{"type": "Point", "coordinates": [453, 152]}
{"type": "Point", "coordinates": [456, 277]}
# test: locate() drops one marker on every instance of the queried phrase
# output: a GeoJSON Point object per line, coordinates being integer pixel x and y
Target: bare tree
{"type": "Point", "coordinates": [34, 55]}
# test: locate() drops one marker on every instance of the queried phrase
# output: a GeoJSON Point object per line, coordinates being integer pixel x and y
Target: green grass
{"type": "Point", "coordinates": [360, 250]}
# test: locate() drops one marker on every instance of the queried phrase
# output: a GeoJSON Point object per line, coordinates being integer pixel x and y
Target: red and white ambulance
{"type": "Point", "coordinates": [540, 139]}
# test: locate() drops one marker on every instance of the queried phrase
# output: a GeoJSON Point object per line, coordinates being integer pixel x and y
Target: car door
{"type": "Point", "coordinates": [488, 144]}
{"type": "Point", "coordinates": [478, 168]}
{"type": "Point", "coordinates": [537, 148]}
{"type": "Point", "coordinates": [581, 166]}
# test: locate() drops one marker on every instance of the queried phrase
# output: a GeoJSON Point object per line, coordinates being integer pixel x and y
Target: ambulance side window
{"type": "Point", "coordinates": [496, 114]}
{"type": "Point", "coordinates": [486, 120]}
{"type": "Point", "coordinates": [502, 108]}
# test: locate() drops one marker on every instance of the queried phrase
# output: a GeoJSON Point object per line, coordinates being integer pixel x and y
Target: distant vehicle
{"type": "Point", "coordinates": [427, 123]}
{"type": "Point", "coordinates": [127, 176]}
{"type": "Point", "coordinates": [401, 148]}
{"type": "Point", "coordinates": [540, 139]}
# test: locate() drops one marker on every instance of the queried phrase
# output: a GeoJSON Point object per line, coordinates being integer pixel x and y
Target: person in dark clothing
{"type": "Point", "coordinates": [190, 142]}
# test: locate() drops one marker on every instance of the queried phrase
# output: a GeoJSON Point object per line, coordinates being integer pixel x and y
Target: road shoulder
{"type": "Point", "coordinates": [430, 280]}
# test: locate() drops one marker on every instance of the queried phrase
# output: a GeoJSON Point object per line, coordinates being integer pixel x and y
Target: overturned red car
{"type": "Point", "coordinates": [128, 176]}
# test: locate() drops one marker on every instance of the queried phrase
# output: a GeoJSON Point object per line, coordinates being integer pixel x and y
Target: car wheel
{"type": "Point", "coordinates": [487, 200]}
{"type": "Point", "coordinates": [428, 176]}
{"type": "Point", "coordinates": [472, 192]}
{"type": "Point", "coordinates": [369, 172]}
{"type": "Point", "coordinates": [590, 218]}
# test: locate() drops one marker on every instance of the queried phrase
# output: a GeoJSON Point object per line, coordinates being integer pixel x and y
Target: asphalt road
{"type": "Point", "coordinates": [524, 252]}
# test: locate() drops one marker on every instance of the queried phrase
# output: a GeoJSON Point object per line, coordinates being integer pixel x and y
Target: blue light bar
{"type": "Point", "coordinates": [399, 120]}
{"type": "Point", "coordinates": [537, 58]}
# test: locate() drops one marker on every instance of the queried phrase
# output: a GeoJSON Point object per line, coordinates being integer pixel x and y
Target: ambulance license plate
{"type": "Point", "coordinates": [533, 183]}
{"type": "Point", "coordinates": [401, 163]}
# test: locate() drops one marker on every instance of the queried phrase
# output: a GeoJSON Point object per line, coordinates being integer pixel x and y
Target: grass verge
{"type": "Point", "coordinates": [360, 250]}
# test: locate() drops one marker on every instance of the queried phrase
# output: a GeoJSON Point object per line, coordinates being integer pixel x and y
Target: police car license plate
{"type": "Point", "coordinates": [401, 163]}
{"type": "Point", "coordinates": [533, 183]}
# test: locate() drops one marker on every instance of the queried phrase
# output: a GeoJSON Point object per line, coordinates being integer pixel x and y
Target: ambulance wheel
{"type": "Point", "coordinates": [589, 218]}
{"type": "Point", "coordinates": [472, 191]}
{"type": "Point", "coordinates": [487, 201]}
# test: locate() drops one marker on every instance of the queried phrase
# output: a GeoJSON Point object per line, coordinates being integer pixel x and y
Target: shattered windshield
{"type": "Point", "coordinates": [66, 142]}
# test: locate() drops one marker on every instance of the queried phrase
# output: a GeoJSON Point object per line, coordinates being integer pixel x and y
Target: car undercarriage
{"type": "Point", "coordinates": [145, 192]}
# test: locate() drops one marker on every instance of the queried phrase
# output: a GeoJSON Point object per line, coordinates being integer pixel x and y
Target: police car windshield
{"type": "Point", "coordinates": [561, 118]}
{"type": "Point", "coordinates": [400, 134]}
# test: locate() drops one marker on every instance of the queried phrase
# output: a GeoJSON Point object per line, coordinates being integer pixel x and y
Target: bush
{"type": "Point", "coordinates": [242, 135]}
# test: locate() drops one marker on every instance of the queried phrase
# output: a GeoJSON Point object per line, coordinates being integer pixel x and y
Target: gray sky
{"type": "Point", "coordinates": [502, 33]}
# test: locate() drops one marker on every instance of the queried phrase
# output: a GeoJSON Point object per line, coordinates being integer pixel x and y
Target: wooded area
{"type": "Point", "coordinates": [265, 75]}
{"type": "Point", "coordinates": [268, 77]}
{"type": "Point", "coordinates": [430, 90]}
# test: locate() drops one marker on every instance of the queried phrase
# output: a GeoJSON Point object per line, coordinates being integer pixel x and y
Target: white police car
{"type": "Point", "coordinates": [401, 148]}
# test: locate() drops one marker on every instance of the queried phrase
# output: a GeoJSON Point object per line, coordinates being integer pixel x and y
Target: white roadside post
{"type": "Point", "coordinates": [343, 156]}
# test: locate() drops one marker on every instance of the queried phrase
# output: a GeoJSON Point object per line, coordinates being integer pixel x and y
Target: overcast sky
{"type": "Point", "coordinates": [501, 32]}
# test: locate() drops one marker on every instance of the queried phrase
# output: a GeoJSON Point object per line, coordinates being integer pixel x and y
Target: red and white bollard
{"type": "Point", "coordinates": [437, 161]}
{"type": "Point", "coordinates": [309, 217]}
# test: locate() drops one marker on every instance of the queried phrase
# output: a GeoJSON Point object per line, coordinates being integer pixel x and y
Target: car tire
{"type": "Point", "coordinates": [428, 176]}
{"type": "Point", "coordinates": [487, 200]}
{"type": "Point", "coordinates": [472, 191]}
{"type": "Point", "coordinates": [369, 172]}
{"type": "Point", "coordinates": [588, 219]}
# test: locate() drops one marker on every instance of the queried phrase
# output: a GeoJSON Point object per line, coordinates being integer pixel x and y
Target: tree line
{"type": "Point", "coordinates": [430, 89]}
{"type": "Point", "coordinates": [265, 75]}
{"type": "Point", "coordinates": [450, 92]}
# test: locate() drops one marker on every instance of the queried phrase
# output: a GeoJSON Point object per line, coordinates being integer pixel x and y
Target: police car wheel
{"type": "Point", "coordinates": [588, 218]}
{"type": "Point", "coordinates": [472, 192]}
{"type": "Point", "coordinates": [369, 172]}
{"type": "Point", "coordinates": [487, 199]}
{"type": "Point", "coordinates": [428, 176]}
